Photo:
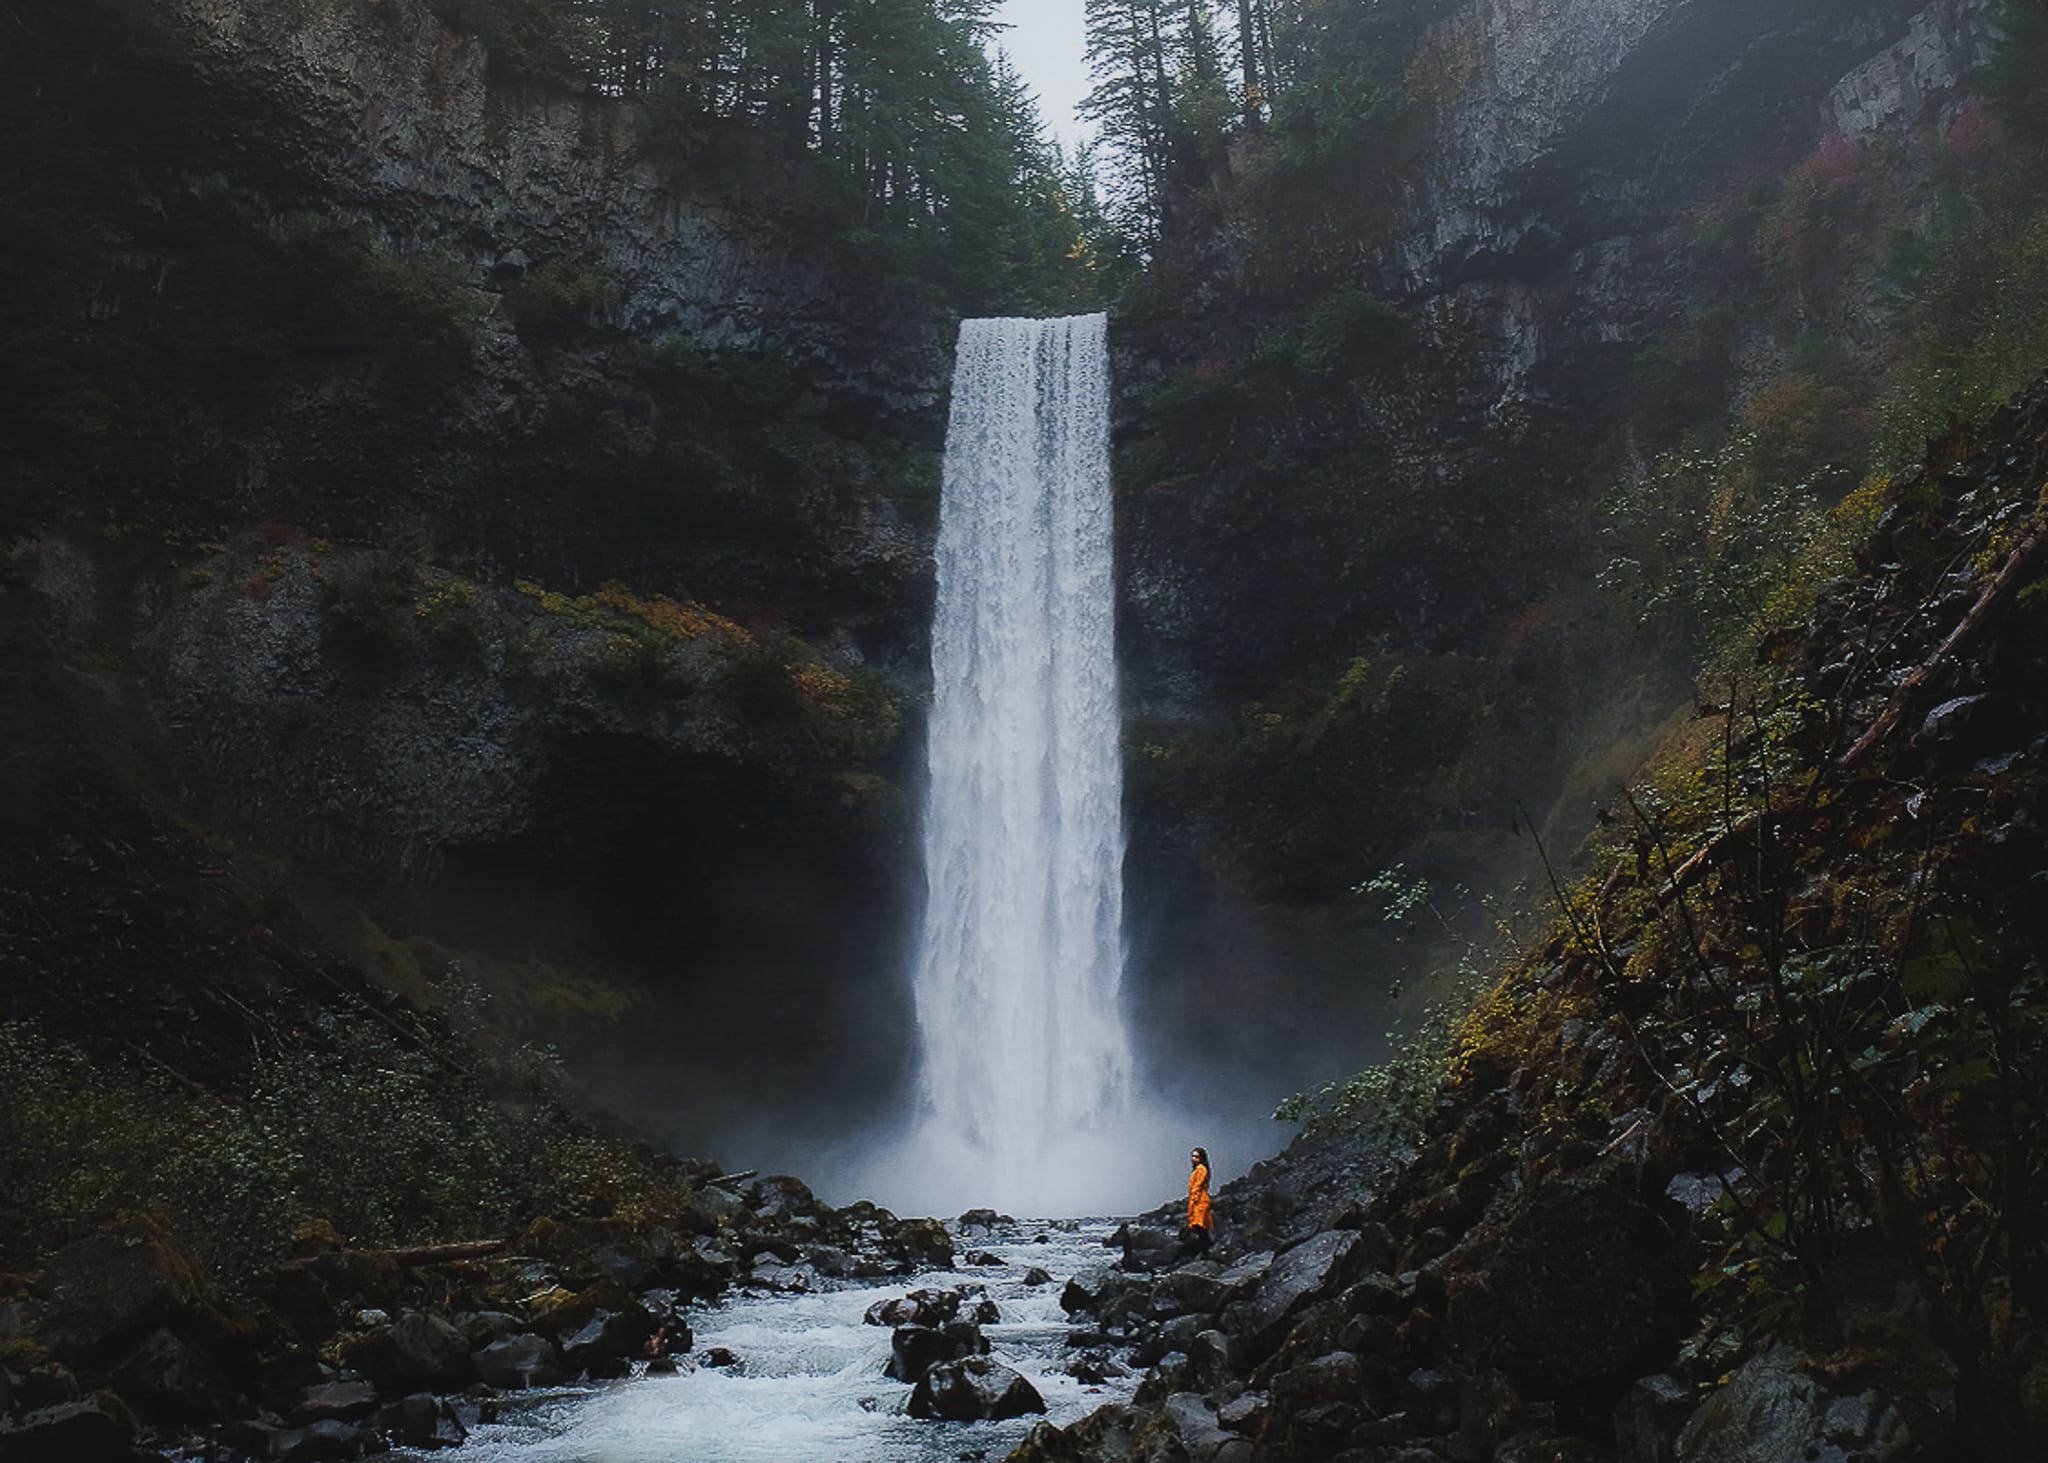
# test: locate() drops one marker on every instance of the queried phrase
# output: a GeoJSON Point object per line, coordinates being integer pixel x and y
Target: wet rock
{"type": "Point", "coordinates": [1192, 1423]}
{"type": "Point", "coordinates": [346, 1399]}
{"type": "Point", "coordinates": [1094, 1367]}
{"type": "Point", "coordinates": [417, 1352]}
{"type": "Point", "coordinates": [1107, 1435]}
{"type": "Point", "coordinates": [1209, 1359]}
{"type": "Point", "coordinates": [1198, 1287]}
{"type": "Point", "coordinates": [718, 1356]}
{"type": "Point", "coordinates": [919, 1244]}
{"type": "Point", "coordinates": [973, 1390]}
{"type": "Point", "coordinates": [422, 1421]}
{"type": "Point", "coordinates": [919, 1308]}
{"type": "Point", "coordinates": [983, 1257]}
{"type": "Point", "coordinates": [1147, 1248]}
{"type": "Point", "coordinates": [981, 1221]}
{"type": "Point", "coordinates": [521, 1361]}
{"type": "Point", "coordinates": [481, 1328]}
{"type": "Point", "coordinates": [781, 1197]}
{"type": "Point", "coordinates": [1646, 1423]}
{"type": "Point", "coordinates": [915, 1350]}
{"type": "Point", "coordinates": [1776, 1408]}
{"type": "Point", "coordinates": [1177, 1334]}
{"type": "Point", "coordinates": [1242, 1413]}
{"type": "Point", "coordinates": [95, 1429]}
{"type": "Point", "coordinates": [1259, 1319]}
{"type": "Point", "coordinates": [1087, 1292]}
{"type": "Point", "coordinates": [606, 1337]}
{"type": "Point", "coordinates": [829, 1260]}
{"type": "Point", "coordinates": [165, 1378]}
{"type": "Point", "coordinates": [1036, 1277]}
{"type": "Point", "coordinates": [319, 1442]}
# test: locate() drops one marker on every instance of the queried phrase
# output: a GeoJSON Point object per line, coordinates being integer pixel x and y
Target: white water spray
{"type": "Point", "coordinates": [1026, 1073]}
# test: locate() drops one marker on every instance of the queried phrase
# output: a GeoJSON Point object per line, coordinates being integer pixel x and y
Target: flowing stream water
{"type": "Point", "coordinates": [808, 1384]}
{"type": "Point", "coordinates": [1025, 1061]}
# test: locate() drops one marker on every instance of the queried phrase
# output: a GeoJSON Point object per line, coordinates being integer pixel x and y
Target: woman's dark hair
{"type": "Point", "coordinates": [1203, 1154]}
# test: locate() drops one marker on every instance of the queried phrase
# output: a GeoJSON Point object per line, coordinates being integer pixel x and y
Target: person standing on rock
{"type": "Point", "coordinates": [1199, 1218]}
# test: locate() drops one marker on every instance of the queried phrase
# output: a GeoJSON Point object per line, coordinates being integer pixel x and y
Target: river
{"type": "Point", "coordinates": [808, 1387]}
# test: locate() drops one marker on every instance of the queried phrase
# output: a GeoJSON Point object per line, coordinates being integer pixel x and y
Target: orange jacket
{"type": "Point", "coordinates": [1198, 1197]}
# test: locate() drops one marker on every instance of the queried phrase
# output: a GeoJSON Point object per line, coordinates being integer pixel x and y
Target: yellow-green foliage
{"type": "Point", "coordinates": [451, 614]}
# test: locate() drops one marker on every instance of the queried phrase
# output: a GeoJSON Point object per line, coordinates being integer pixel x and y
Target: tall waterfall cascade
{"type": "Point", "coordinates": [1026, 1062]}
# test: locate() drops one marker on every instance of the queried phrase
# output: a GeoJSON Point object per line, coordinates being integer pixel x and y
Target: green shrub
{"type": "Point", "coordinates": [82, 1142]}
{"type": "Point", "coordinates": [566, 294]}
{"type": "Point", "coordinates": [372, 601]}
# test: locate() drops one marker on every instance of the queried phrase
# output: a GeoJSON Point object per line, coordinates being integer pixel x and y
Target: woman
{"type": "Point", "coordinates": [1198, 1203]}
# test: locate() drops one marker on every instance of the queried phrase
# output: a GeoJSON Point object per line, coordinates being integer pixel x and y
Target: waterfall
{"type": "Point", "coordinates": [1020, 957]}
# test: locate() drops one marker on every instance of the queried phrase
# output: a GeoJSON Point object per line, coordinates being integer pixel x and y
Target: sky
{"type": "Point", "coordinates": [1048, 42]}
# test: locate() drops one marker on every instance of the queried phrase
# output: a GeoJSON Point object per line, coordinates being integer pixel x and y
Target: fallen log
{"type": "Point", "coordinates": [416, 1255]}
{"type": "Point", "coordinates": [2001, 584]}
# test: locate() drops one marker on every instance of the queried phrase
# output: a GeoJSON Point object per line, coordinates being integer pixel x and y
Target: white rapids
{"type": "Point", "coordinates": [808, 1386]}
{"type": "Point", "coordinates": [1026, 1066]}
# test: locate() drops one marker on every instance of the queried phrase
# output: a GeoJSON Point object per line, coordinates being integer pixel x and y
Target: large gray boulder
{"type": "Point", "coordinates": [1775, 1407]}
{"type": "Point", "coordinates": [1258, 1320]}
{"type": "Point", "coordinates": [974, 1390]}
{"type": "Point", "coordinates": [417, 1352]}
{"type": "Point", "coordinates": [516, 1362]}
{"type": "Point", "coordinates": [915, 1350]}
{"type": "Point", "coordinates": [95, 1429]}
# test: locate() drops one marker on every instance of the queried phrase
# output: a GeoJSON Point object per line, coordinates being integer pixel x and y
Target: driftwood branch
{"type": "Point", "coordinates": [2001, 585]}
{"type": "Point", "coordinates": [476, 1249]}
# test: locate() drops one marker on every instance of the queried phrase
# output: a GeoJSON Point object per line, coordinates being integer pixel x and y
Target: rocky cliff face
{"type": "Point", "coordinates": [1367, 416]}
{"type": "Point", "coordinates": [376, 108]}
{"type": "Point", "coordinates": [599, 807]}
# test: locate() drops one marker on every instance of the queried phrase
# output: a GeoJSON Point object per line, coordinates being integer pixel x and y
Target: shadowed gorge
{"type": "Point", "coordinates": [633, 629]}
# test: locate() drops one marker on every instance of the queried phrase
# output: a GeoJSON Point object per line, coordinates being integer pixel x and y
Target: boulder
{"type": "Point", "coordinates": [422, 1421]}
{"type": "Point", "coordinates": [417, 1352]}
{"type": "Point", "coordinates": [1094, 1367]}
{"type": "Point", "coordinates": [105, 1289]}
{"type": "Point", "coordinates": [1647, 1422]}
{"type": "Point", "coordinates": [781, 1197]}
{"type": "Point", "coordinates": [165, 1378]}
{"type": "Point", "coordinates": [974, 1390]}
{"type": "Point", "coordinates": [481, 1328]}
{"type": "Point", "coordinates": [1575, 1291]}
{"type": "Point", "coordinates": [1035, 1277]}
{"type": "Point", "coordinates": [981, 1221]}
{"type": "Point", "coordinates": [1775, 1407]}
{"type": "Point", "coordinates": [1193, 1424]}
{"type": "Point", "coordinates": [1147, 1248]}
{"type": "Point", "coordinates": [521, 1361]}
{"type": "Point", "coordinates": [919, 1308]}
{"type": "Point", "coordinates": [983, 1258]}
{"type": "Point", "coordinates": [918, 1244]}
{"type": "Point", "coordinates": [346, 1399]}
{"type": "Point", "coordinates": [95, 1429]}
{"type": "Point", "coordinates": [1258, 1319]}
{"type": "Point", "coordinates": [320, 1442]}
{"type": "Point", "coordinates": [915, 1350]}
{"type": "Point", "coordinates": [1209, 1359]}
{"type": "Point", "coordinates": [1087, 1292]}
{"type": "Point", "coordinates": [608, 1336]}
{"type": "Point", "coordinates": [1194, 1289]}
